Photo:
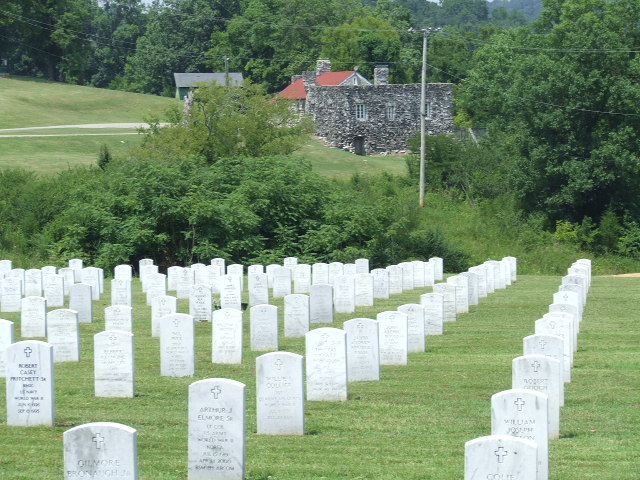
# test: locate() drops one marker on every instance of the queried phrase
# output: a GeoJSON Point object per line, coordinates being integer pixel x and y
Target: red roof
{"type": "Point", "coordinates": [296, 90]}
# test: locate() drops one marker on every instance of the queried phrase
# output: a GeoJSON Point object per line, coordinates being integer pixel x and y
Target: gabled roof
{"type": "Point", "coordinates": [191, 80]}
{"type": "Point", "coordinates": [296, 91]}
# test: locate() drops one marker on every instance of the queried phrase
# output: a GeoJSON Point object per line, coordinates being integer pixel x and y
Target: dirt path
{"type": "Point", "coordinates": [11, 131]}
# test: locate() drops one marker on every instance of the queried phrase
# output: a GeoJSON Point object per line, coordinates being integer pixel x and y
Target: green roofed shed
{"type": "Point", "coordinates": [185, 82]}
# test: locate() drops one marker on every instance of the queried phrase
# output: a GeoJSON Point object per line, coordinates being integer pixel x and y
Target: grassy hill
{"type": "Point", "coordinates": [410, 425]}
{"type": "Point", "coordinates": [27, 102]}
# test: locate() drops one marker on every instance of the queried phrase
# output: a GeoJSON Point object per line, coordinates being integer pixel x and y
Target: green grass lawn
{"type": "Point", "coordinates": [27, 102]}
{"type": "Point", "coordinates": [412, 424]}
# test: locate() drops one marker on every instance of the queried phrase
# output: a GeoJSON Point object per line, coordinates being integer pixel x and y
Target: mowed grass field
{"type": "Point", "coordinates": [27, 102]}
{"type": "Point", "coordinates": [412, 424]}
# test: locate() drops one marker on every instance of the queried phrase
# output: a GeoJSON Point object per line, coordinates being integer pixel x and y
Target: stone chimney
{"type": "Point", "coordinates": [323, 65]}
{"type": "Point", "coordinates": [381, 75]}
{"type": "Point", "coordinates": [309, 79]}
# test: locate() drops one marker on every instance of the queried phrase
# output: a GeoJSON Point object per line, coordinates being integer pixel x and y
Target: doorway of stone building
{"type": "Point", "coordinates": [358, 145]}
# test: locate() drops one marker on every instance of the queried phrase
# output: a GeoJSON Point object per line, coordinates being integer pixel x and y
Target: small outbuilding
{"type": "Point", "coordinates": [186, 82]}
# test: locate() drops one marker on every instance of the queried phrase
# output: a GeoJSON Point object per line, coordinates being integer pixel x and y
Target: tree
{"type": "Point", "coordinates": [177, 36]}
{"type": "Point", "coordinates": [566, 93]}
{"type": "Point", "coordinates": [271, 40]}
{"type": "Point", "coordinates": [227, 122]}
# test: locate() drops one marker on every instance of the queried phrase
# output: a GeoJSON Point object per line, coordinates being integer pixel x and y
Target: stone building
{"type": "Point", "coordinates": [363, 117]}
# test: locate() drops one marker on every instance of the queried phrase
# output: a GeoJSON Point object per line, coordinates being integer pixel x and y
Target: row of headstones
{"type": "Point", "coordinates": [48, 281]}
{"type": "Point", "coordinates": [114, 362]}
{"type": "Point", "coordinates": [526, 417]}
{"type": "Point", "coordinates": [30, 400]}
{"type": "Point", "coordinates": [64, 334]}
{"type": "Point", "coordinates": [216, 406]}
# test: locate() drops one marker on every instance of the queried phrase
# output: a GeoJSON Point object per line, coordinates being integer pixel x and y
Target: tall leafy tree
{"type": "Point", "coordinates": [567, 95]}
{"type": "Point", "coordinates": [177, 36]}
{"type": "Point", "coordinates": [271, 40]}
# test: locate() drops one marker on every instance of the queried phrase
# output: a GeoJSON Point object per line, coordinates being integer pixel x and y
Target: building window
{"type": "Point", "coordinates": [361, 111]}
{"type": "Point", "coordinates": [391, 112]}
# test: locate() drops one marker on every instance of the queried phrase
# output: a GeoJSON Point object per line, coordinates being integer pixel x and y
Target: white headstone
{"type": "Point", "coordinates": [10, 294]}
{"type": "Point", "coordinates": [185, 279]}
{"type": "Point", "coordinates": [380, 283]}
{"type": "Point", "coordinates": [121, 292]}
{"type": "Point", "coordinates": [349, 269]}
{"type": "Point", "coordinates": [80, 300]}
{"type": "Point", "coordinates": [113, 364]}
{"type": "Point", "coordinates": [161, 306]}
{"type": "Point", "coordinates": [500, 457]}
{"type": "Point", "coordinates": [344, 295]}
{"type": "Point", "coordinates": [263, 326]}
{"type": "Point", "coordinates": [156, 284]}
{"type": "Point", "coordinates": [227, 336]}
{"type": "Point", "coordinates": [231, 292]}
{"type": "Point", "coordinates": [301, 278]}
{"type": "Point", "coordinates": [237, 270]}
{"type": "Point", "coordinates": [523, 414]}
{"type": "Point", "coordinates": [296, 315]}
{"type": "Point", "coordinates": [255, 268]}
{"type": "Point", "coordinates": [101, 451]}
{"type": "Point", "coordinates": [270, 271]}
{"type": "Point", "coordinates": [362, 265]}
{"type": "Point", "coordinates": [201, 302]}
{"type": "Point", "coordinates": [173, 272]}
{"type": "Point", "coordinates": [407, 275]}
{"type": "Point", "coordinates": [418, 273]}
{"type": "Point", "coordinates": [145, 271]}
{"type": "Point", "coordinates": [448, 292]}
{"type": "Point", "coordinates": [76, 265]}
{"type": "Point", "coordinates": [258, 289]}
{"type": "Point", "coordinates": [321, 303]}
{"type": "Point", "coordinates": [438, 268]}
{"type": "Point", "coordinates": [118, 317]}
{"type": "Point", "coordinates": [395, 279]}
{"type": "Point", "coordinates": [7, 337]}
{"type": "Point", "coordinates": [33, 317]}
{"type": "Point", "coordinates": [364, 290]}
{"type": "Point", "coordinates": [69, 279]}
{"type": "Point", "coordinates": [560, 326]}
{"type": "Point", "coordinates": [91, 276]}
{"type": "Point", "coordinates": [415, 326]}
{"type": "Point", "coordinates": [473, 287]}
{"type": "Point", "coordinates": [177, 345]}
{"type": "Point", "coordinates": [33, 282]}
{"type": "Point", "coordinates": [542, 374]}
{"type": "Point", "coordinates": [319, 273]}
{"type": "Point", "coordinates": [462, 292]}
{"type": "Point", "coordinates": [280, 394]}
{"type": "Point", "coordinates": [394, 342]}
{"type": "Point", "coordinates": [363, 350]}
{"type": "Point", "coordinates": [281, 282]}
{"type": "Point", "coordinates": [290, 262]}
{"type": "Point", "coordinates": [335, 269]}
{"type": "Point", "coordinates": [217, 430]}
{"type": "Point", "coordinates": [63, 333]}
{"type": "Point", "coordinates": [29, 384]}
{"type": "Point", "coordinates": [433, 304]}
{"type": "Point", "coordinates": [123, 272]}
{"type": "Point", "coordinates": [551, 346]}
{"type": "Point", "coordinates": [326, 364]}
{"type": "Point", "coordinates": [481, 273]}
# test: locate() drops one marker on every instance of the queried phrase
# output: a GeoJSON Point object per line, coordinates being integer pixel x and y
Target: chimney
{"type": "Point", "coordinates": [295, 77]}
{"type": "Point", "coordinates": [381, 75]}
{"type": "Point", "coordinates": [309, 79]}
{"type": "Point", "coordinates": [323, 65]}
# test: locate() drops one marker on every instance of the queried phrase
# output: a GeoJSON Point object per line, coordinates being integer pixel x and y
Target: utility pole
{"type": "Point", "coordinates": [423, 102]}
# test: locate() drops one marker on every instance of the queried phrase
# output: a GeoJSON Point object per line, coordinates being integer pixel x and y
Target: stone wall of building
{"type": "Point", "coordinates": [391, 114]}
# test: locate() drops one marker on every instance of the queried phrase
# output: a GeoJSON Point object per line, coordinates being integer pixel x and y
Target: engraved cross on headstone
{"type": "Point", "coordinates": [27, 352]}
{"type": "Point", "coordinates": [216, 391]}
{"type": "Point", "coordinates": [279, 363]}
{"type": "Point", "coordinates": [535, 365]}
{"type": "Point", "coordinates": [501, 453]}
{"type": "Point", "coordinates": [98, 439]}
{"type": "Point", "coordinates": [542, 343]}
{"type": "Point", "coordinates": [519, 403]}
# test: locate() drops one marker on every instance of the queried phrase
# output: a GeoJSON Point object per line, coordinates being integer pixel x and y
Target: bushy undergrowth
{"type": "Point", "coordinates": [260, 210]}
